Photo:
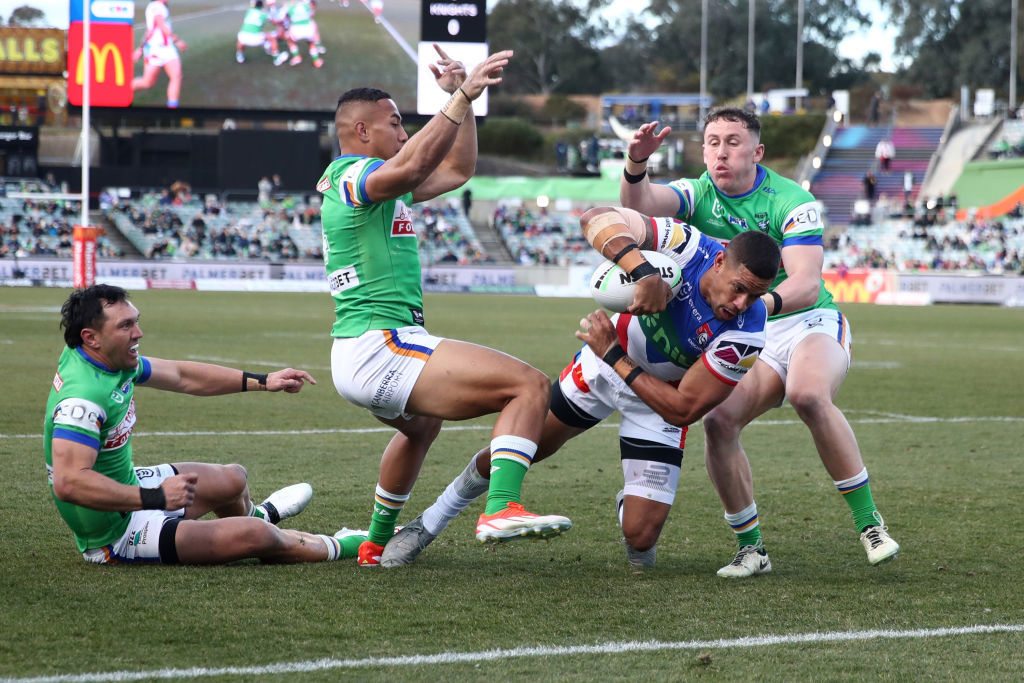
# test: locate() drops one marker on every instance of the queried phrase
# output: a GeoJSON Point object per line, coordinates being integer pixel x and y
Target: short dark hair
{"type": "Point", "coordinates": [84, 308]}
{"type": "Point", "coordinates": [361, 95]}
{"type": "Point", "coordinates": [757, 252]}
{"type": "Point", "coordinates": [736, 115]}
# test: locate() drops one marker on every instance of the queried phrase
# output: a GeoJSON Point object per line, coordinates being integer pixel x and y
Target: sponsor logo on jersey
{"type": "Point", "coordinates": [342, 279]}
{"type": "Point", "coordinates": [144, 472]}
{"type": "Point", "coordinates": [704, 335]}
{"type": "Point", "coordinates": [120, 435]}
{"type": "Point", "coordinates": [58, 382]}
{"type": "Point", "coordinates": [656, 475]}
{"type": "Point", "coordinates": [77, 412]}
{"type": "Point", "coordinates": [401, 226]}
{"type": "Point", "coordinates": [324, 185]}
{"type": "Point", "coordinates": [737, 355]}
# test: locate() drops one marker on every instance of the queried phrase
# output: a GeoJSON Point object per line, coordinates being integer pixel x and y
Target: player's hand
{"type": "Point", "coordinates": [652, 296]}
{"type": "Point", "coordinates": [288, 380]}
{"type": "Point", "coordinates": [180, 44]}
{"type": "Point", "coordinates": [645, 141]}
{"type": "Point", "coordinates": [448, 73]}
{"type": "Point", "coordinates": [136, 54]}
{"type": "Point", "coordinates": [180, 490]}
{"type": "Point", "coordinates": [486, 73]}
{"type": "Point", "coordinates": [597, 331]}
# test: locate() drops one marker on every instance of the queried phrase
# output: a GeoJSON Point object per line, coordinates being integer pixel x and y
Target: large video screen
{"type": "Point", "coordinates": [266, 56]}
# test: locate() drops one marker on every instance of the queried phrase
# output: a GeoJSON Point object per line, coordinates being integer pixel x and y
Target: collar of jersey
{"type": "Point", "coordinates": [758, 179]}
{"type": "Point", "coordinates": [92, 360]}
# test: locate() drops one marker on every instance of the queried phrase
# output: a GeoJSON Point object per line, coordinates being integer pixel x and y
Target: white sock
{"type": "Point", "coordinates": [333, 547]}
{"type": "Point", "coordinates": [456, 497]}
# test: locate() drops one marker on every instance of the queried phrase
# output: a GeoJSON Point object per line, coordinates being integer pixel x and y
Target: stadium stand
{"type": "Point", "coordinates": [178, 225]}
{"type": "Point", "coordinates": [542, 237]}
{"type": "Point", "coordinates": [852, 154]}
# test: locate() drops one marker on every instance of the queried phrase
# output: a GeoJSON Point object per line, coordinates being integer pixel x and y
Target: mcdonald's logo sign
{"type": "Point", "coordinates": [110, 49]}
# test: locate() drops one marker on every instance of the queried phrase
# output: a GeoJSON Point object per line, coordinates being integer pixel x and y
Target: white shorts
{"type": "Point", "coordinates": [784, 335]}
{"type": "Point", "coordinates": [141, 540]}
{"type": "Point", "coordinates": [378, 369]}
{"type": "Point", "coordinates": [302, 32]}
{"type": "Point", "coordinates": [159, 55]}
{"type": "Point", "coordinates": [590, 386]}
{"type": "Point", "coordinates": [249, 39]}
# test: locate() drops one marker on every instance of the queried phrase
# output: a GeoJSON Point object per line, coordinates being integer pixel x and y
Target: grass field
{"type": "Point", "coordinates": [934, 396]}
{"type": "Point", "coordinates": [359, 53]}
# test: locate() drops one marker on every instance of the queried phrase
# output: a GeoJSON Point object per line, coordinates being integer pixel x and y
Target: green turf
{"type": "Point", "coordinates": [934, 397]}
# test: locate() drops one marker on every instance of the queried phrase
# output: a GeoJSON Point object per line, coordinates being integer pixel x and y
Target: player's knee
{"type": "Point", "coordinates": [808, 402]}
{"type": "Point", "coordinates": [641, 535]}
{"type": "Point", "coordinates": [260, 539]}
{"type": "Point", "coordinates": [719, 424]}
{"type": "Point", "coordinates": [236, 478]}
{"type": "Point", "coordinates": [536, 384]}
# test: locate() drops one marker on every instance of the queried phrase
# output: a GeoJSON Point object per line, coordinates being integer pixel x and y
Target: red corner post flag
{"type": "Point", "coordinates": [111, 67]}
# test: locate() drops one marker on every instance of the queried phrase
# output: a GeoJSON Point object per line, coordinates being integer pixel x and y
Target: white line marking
{"type": "Point", "coordinates": [632, 646]}
{"type": "Point", "coordinates": [894, 419]}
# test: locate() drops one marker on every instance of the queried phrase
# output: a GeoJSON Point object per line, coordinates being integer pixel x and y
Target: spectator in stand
{"type": "Point", "coordinates": [884, 152]}
{"type": "Point", "coordinates": [562, 155]}
{"type": "Point", "coordinates": [873, 108]}
{"type": "Point", "coordinates": [263, 190]}
{"type": "Point", "coordinates": [869, 186]}
{"type": "Point", "coordinates": [908, 185]}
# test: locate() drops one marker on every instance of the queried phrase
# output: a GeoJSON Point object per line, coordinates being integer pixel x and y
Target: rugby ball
{"type": "Point", "coordinates": [612, 287]}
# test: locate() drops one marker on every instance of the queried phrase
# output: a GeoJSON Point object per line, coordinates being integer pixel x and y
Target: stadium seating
{"type": "Point", "coordinates": [839, 183]}
{"type": "Point", "coordinates": [285, 229]}
{"type": "Point", "coordinates": [543, 238]}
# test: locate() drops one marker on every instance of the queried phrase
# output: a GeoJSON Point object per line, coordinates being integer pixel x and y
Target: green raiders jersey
{"type": "Point", "coordinates": [776, 206]}
{"type": "Point", "coordinates": [253, 21]}
{"type": "Point", "coordinates": [93, 405]}
{"type": "Point", "coordinates": [370, 250]}
{"type": "Point", "coordinates": [300, 13]}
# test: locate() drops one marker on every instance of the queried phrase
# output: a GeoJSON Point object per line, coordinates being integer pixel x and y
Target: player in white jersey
{"type": "Point", "coordinates": [160, 50]}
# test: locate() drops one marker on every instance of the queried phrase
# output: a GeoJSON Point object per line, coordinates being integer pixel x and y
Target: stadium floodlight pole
{"type": "Point", "coordinates": [750, 50]}
{"type": "Point", "coordinates": [799, 51]}
{"type": "Point", "coordinates": [86, 56]}
{"type": "Point", "coordinates": [1013, 55]}
{"type": "Point", "coordinates": [703, 60]}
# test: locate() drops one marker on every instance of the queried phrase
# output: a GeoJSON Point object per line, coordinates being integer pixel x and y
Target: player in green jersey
{"type": "Point", "coordinates": [808, 351]}
{"type": "Point", "coordinates": [383, 359]}
{"type": "Point", "coordinates": [120, 513]}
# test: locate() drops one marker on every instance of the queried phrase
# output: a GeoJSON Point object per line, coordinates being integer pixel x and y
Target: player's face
{"type": "Point", "coordinates": [387, 134]}
{"type": "Point", "coordinates": [731, 153]}
{"type": "Point", "coordinates": [116, 343]}
{"type": "Point", "coordinates": [730, 288]}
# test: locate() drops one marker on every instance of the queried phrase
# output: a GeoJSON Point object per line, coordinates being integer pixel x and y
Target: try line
{"type": "Point", "coordinates": [328, 664]}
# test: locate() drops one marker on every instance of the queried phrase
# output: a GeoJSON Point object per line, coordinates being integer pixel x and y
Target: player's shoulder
{"type": "Point", "coordinates": [785, 188]}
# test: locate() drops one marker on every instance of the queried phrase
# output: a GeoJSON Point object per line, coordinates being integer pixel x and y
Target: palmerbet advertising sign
{"type": "Point", "coordinates": [109, 52]}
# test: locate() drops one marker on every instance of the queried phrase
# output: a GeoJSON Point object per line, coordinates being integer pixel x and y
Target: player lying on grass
{"type": "Point", "coordinates": [120, 513]}
{"type": "Point", "coordinates": [663, 367]}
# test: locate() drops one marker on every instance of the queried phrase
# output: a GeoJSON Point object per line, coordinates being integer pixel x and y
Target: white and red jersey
{"type": "Point", "coordinates": [158, 37]}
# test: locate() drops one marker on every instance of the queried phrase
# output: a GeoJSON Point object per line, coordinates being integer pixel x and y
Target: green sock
{"type": "Point", "coordinates": [386, 507]}
{"type": "Point", "coordinates": [746, 525]}
{"type": "Point", "coordinates": [857, 493]}
{"type": "Point", "coordinates": [350, 544]}
{"type": "Point", "coordinates": [510, 459]}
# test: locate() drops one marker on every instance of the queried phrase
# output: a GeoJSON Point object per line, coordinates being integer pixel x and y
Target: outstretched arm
{"type": "Point", "coordinates": [636, 190]}
{"type": "Point", "coordinates": [204, 379]}
{"type": "Point", "coordinates": [411, 170]}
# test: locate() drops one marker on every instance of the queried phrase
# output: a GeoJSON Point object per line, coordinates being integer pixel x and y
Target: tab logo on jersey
{"type": "Point", "coordinates": [342, 279]}
{"type": "Point", "coordinates": [401, 225]}
{"type": "Point", "coordinates": [323, 185]}
{"type": "Point", "coordinates": [121, 433]}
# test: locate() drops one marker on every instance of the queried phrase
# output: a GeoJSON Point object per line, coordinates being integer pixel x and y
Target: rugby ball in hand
{"type": "Point", "coordinates": [612, 287]}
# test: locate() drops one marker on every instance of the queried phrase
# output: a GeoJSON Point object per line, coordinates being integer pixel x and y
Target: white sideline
{"type": "Point", "coordinates": [886, 418]}
{"type": "Point", "coordinates": [328, 664]}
